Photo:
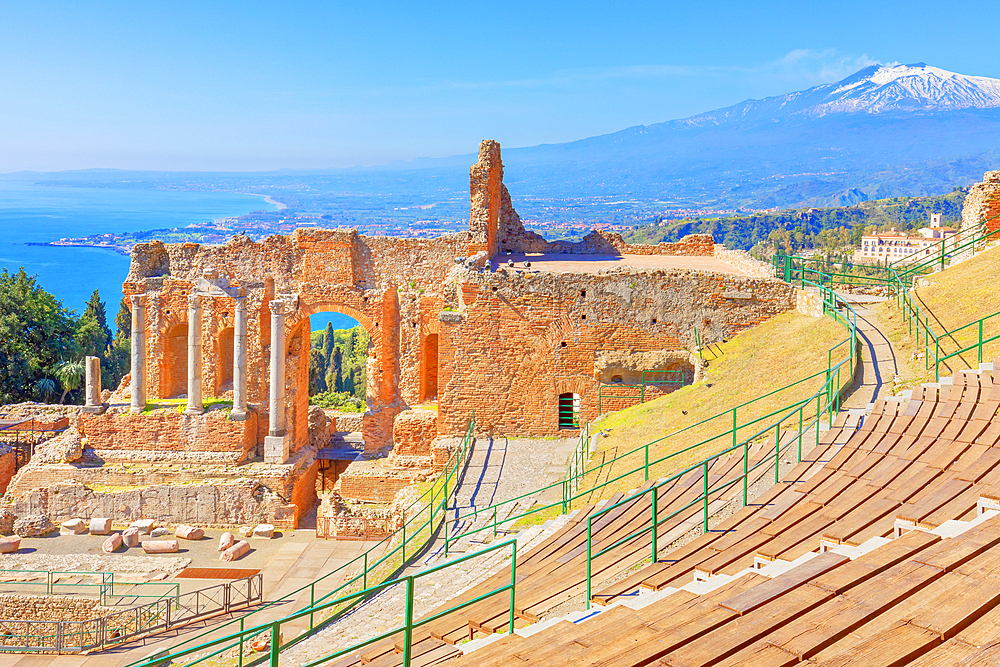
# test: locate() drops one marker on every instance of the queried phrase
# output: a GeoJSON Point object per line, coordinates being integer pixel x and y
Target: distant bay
{"type": "Point", "coordinates": [31, 213]}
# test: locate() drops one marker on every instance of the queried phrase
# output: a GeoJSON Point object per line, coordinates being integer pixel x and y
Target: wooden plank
{"type": "Point", "coordinates": [743, 631]}
{"type": "Point", "coordinates": [871, 511]}
{"type": "Point", "coordinates": [898, 646]}
{"type": "Point", "coordinates": [808, 533]}
{"type": "Point", "coordinates": [956, 508]}
{"type": "Point", "coordinates": [957, 608]}
{"type": "Point", "coordinates": [773, 588]}
{"type": "Point", "coordinates": [864, 567]}
{"type": "Point", "coordinates": [977, 469]}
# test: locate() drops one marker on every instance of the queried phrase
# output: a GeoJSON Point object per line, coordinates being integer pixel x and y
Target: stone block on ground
{"type": "Point", "coordinates": [227, 540]}
{"type": "Point", "coordinates": [246, 531]}
{"type": "Point", "coordinates": [130, 537]}
{"type": "Point", "coordinates": [7, 519]}
{"type": "Point", "coordinates": [100, 526]}
{"type": "Point", "coordinates": [9, 545]}
{"type": "Point", "coordinates": [73, 527]}
{"type": "Point", "coordinates": [145, 526]}
{"type": "Point", "coordinates": [33, 525]}
{"type": "Point", "coordinates": [160, 546]}
{"type": "Point", "coordinates": [159, 532]}
{"type": "Point", "coordinates": [189, 532]}
{"type": "Point", "coordinates": [235, 552]}
{"type": "Point", "coordinates": [264, 530]}
{"type": "Point", "coordinates": [112, 543]}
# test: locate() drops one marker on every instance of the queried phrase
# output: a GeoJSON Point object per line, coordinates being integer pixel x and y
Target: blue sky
{"type": "Point", "coordinates": [251, 86]}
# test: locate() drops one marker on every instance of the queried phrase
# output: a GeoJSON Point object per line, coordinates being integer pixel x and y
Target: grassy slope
{"type": "Point", "coordinates": [956, 296]}
{"type": "Point", "coordinates": [776, 353]}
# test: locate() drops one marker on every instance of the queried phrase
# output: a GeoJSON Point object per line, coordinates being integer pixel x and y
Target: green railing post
{"type": "Point", "coordinates": [746, 456]}
{"type": "Point", "coordinates": [589, 526]}
{"type": "Point", "coordinates": [654, 502]}
{"type": "Point", "coordinates": [777, 450]}
{"type": "Point", "coordinates": [513, 582]}
{"type": "Point", "coordinates": [980, 341]}
{"type": "Point", "coordinates": [403, 544]}
{"type": "Point", "coordinates": [704, 466]}
{"type": "Point", "coordinates": [800, 434]}
{"type": "Point", "coordinates": [646, 464]}
{"type": "Point", "coordinates": [275, 642]}
{"type": "Point", "coordinates": [364, 575]}
{"type": "Point", "coordinates": [239, 660]}
{"type": "Point", "coordinates": [495, 520]}
{"type": "Point", "coordinates": [408, 631]}
{"type": "Point", "coordinates": [734, 427]}
{"type": "Point", "coordinates": [564, 498]}
{"type": "Point", "coordinates": [817, 418]}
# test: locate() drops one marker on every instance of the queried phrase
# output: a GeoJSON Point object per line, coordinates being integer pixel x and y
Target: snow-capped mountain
{"type": "Point", "coordinates": [874, 90]}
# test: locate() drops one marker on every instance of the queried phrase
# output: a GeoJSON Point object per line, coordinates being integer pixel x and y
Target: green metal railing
{"type": "Point", "coordinates": [678, 381]}
{"type": "Point", "coordinates": [827, 402]}
{"type": "Point", "coordinates": [104, 588]}
{"type": "Point", "coordinates": [406, 541]}
{"type": "Point", "coordinates": [268, 636]}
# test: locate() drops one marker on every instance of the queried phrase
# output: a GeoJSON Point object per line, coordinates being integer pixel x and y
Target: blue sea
{"type": "Point", "coordinates": [31, 213]}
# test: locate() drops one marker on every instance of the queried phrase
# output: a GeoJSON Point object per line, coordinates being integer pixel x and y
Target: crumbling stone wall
{"type": "Point", "coordinates": [522, 339]}
{"type": "Point", "coordinates": [219, 503]}
{"type": "Point", "coordinates": [983, 203]}
{"type": "Point", "coordinates": [50, 608]}
{"type": "Point", "coordinates": [168, 430]}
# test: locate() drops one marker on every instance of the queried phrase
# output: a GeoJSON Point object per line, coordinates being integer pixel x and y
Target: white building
{"type": "Point", "coordinates": [895, 246]}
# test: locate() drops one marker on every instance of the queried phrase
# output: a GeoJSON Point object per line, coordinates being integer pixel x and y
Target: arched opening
{"type": "Point", "coordinates": [617, 379]}
{"type": "Point", "coordinates": [225, 369]}
{"type": "Point", "coordinates": [338, 362]}
{"type": "Point", "coordinates": [569, 410]}
{"type": "Point", "coordinates": [175, 362]}
{"type": "Point", "coordinates": [429, 368]}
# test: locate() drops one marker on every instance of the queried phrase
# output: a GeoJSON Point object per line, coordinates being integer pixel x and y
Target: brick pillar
{"type": "Point", "coordinates": [194, 405]}
{"type": "Point", "coordinates": [239, 412]}
{"type": "Point", "coordinates": [138, 353]}
{"type": "Point", "coordinates": [276, 441]}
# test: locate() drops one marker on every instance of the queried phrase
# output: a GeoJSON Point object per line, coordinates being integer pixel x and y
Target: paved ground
{"type": "Point", "coordinates": [498, 469]}
{"type": "Point", "coordinates": [877, 356]}
{"type": "Point", "coordinates": [594, 263]}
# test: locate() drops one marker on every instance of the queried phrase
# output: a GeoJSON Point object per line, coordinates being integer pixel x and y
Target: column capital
{"type": "Point", "coordinates": [277, 307]}
{"type": "Point", "coordinates": [137, 300]}
{"type": "Point", "coordinates": [194, 300]}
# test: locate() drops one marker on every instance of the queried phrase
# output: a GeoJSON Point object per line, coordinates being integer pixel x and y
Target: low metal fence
{"type": "Point", "coordinates": [119, 627]}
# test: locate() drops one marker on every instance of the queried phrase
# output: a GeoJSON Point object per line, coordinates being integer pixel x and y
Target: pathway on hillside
{"type": "Point", "coordinates": [877, 355]}
{"type": "Point", "coordinates": [499, 469]}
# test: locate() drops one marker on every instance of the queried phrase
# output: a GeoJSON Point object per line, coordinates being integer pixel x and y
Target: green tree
{"type": "Point", "coordinates": [123, 320]}
{"type": "Point", "coordinates": [91, 340]}
{"type": "Point", "coordinates": [95, 310]}
{"type": "Point", "coordinates": [334, 367]}
{"type": "Point", "coordinates": [70, 374]}
{"type": "Point", "coordinates": [36, 332]}
{"type": "Point", "coordinates": [317, 372]}
{"type": "Point", "coordinates": [328, 344]}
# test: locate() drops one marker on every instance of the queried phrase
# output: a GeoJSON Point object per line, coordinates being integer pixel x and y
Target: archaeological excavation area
{"type": "Point", "coordinates": [213, 427]}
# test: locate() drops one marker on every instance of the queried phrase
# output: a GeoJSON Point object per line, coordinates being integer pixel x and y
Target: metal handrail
{"type": "Point", "coordinates": [832, 305]}
{"type": "Point", "coordinates": [273, 628]}
{"type": "Point", "coordinates": [436, 508]}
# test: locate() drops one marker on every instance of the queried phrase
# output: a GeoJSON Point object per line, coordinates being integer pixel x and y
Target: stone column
{"type": "Point", "coordinates": [92, 404]}
{"type": "Point", "coordinates": [138, 353]}
{"type": "Point", "coordinates": [276, 441]}
{"type": "Point", "coordinates": [239, 412]}
{"type": "Point", "coordinates": [194, 406]}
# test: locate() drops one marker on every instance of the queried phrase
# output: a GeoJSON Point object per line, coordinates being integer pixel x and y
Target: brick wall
{"type": "Point", "coordinates": [167, 430]}
{"type": "Point", "coordinates": [520, 341]}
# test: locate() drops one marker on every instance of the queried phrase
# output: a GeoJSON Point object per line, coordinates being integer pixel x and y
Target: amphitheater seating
{"type": "Point", "coordinates": [873, 490]}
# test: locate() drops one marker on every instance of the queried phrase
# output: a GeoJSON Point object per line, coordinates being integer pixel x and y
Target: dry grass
{"type": "Point", "coordinates": [784, 349]}
{"type": "Point", "coordinates": [956, 296]}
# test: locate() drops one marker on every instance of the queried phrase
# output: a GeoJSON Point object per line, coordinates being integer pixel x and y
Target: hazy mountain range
{"type": "Point", "coordinates": [884, 131]}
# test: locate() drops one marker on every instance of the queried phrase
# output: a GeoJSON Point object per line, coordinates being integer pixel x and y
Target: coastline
{"type": "Point", "coordinates": [269, 200]}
